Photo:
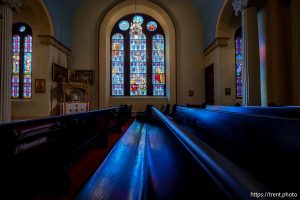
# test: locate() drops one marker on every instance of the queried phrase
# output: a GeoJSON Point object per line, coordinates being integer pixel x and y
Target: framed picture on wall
{"type": "Point", "coordinates": [85, 75]}
{"type": "Point", "coordinates": [59, 73]}
{"type": "Point", "coordinates": [40, 85]}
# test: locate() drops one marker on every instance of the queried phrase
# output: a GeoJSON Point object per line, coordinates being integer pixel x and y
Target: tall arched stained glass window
{"type": "Point", "coordinates": [22, 61]}
{"type": "Point", "coordinates": [139, 69]}
{"type": "Point", "coordinates": [117, 74]}
{"type": "Point", "coordinates": [158, 65]}
{"type": "Point", "coordinates": [239, 64]}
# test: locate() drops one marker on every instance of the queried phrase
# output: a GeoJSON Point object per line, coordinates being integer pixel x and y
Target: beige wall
{"type": "Point", "coordinates": [223, 56]}
{"type": "Point", "coordinates": [186, 51]}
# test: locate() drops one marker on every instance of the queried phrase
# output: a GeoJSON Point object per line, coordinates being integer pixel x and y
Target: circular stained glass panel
{"type": "Point", "coordinates": [138, 19]}
{"type": "Point", "coordinates": [124, 25]}
{"type": "Point", "coordinates": [22, 29]}
{"type": "Point", "coordinates": [152, 26]}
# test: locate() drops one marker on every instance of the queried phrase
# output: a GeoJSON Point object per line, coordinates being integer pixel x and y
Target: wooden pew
{"type": "Point", "coordinates": [267, 147]}
{"type": "Point", "coordinates": [283, 111]}
{"type": "Point", "coordinates": [156, 159]}
{"type": "Point", "coordinates": [38, 153]}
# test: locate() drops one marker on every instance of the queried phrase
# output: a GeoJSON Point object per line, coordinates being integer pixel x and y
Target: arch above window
{"type": "Point", "coordinates": [21, 61]}
{"type": "Point", "coordinates": [138, 61]}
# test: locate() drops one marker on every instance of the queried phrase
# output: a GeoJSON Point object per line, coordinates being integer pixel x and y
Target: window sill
{"type": "Point", "coordinates": [138, 97]}
{"type": "Point", "coordinates": [21, 100]}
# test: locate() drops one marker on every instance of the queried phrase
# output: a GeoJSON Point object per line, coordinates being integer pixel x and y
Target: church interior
{"type": "Point", "coordinates": [150, 99]}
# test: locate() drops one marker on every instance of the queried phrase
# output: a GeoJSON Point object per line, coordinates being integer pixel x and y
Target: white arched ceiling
{"type": "Point", "coordinates": [62, 12]}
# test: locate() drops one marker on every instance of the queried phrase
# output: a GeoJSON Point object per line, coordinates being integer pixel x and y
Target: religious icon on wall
{"type": "Point", "coordinates": [191, 93]}
{"type": "Point", "coordinates": [40, 85]}
{"type": "Point", "coordinates": [59, 73]}
{"type": "Point", "coordinates": [227, 91]}
{"type": "Point", "coordinates": [85, 75]}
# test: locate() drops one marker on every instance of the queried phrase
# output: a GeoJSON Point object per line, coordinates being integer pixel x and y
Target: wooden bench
{"type": "Point", "coordinates": [157, 160]}
{"type": "Point", "coordinates": [283, 111]}
{"type": "Point", "coordinates": [38, 153]}
{"type": "Point", "coordinates": [267, 147]}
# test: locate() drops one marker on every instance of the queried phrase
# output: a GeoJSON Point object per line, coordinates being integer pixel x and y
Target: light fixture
{"type": "Point", "coordinates": [136, 29]}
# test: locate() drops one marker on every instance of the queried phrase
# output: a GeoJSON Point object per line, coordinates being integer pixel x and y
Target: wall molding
{"type": "Point", "coordinates": [50, 40]}
{"type": "Point", "coordinates": [13, 4]}
{"type": "Point", "coordinates": [218, 42]}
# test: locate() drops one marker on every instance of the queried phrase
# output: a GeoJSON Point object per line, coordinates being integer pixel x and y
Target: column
{"type": "Point", "coordinates": [295, 76]}
{"type": "Point", "coordinates": [251, 65]}
{"type": "Point", "coordinates": [6, 13]}
{"type": "Point", "coordinates": [278, 75]}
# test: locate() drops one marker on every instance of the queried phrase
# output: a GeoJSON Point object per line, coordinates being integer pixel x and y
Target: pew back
{"type": "Point", "coordinates": [267, 147]}
{"type": "Point", "coordinates": [38, 153]}
{"type": "Point", "coordinates": [284, 111]}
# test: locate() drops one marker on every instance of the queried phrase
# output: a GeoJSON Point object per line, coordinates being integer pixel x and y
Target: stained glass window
{"type": "Point", "coordinates": [138, 66]}
{"type": "Point", "coordinates": [22, 61]}
{"type": "Point", "coordinates": [117, 64]}
{"type": "Point", "coordinates": [151, 26]}
{"type": "Point", "coordinates": [239, 65]}
{"type": "Point", "coordinates": [158, 65]}
{"type": "Point", "coordinates": [138, 19]}
{"type": "Point", "coordinates": [138, 61]}
{"type": "Point", "coordinates": [16, 66]}
{"type": "Point", "coordinates": [124, 25]}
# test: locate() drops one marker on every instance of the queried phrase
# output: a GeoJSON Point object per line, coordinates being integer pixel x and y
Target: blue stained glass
{"type": "Point", "coordinates": [117, 78]}
{"type": "Point", "coordinates": [151, 25]}
{"type": "Point", "coordinates": [117, 56]}
{"type": "Point", "coordinates": [138, 66]}
{"type": "Point", "coordinates": [158, 65]}
{"type": "Point", "coordinates": [158, 90]}
{"type": "Point", "coordinates": [138, 19]}
{"type": "Point", "coordinates": [124, 25]}
{"type": "Point", "coordinates": [22, 29]}
{"type": "Point", "coordinates": [15, 86]}
{"type": "Point", "coordinates": [16, 43]}
{"type": "Point", "coordinates": [28, 43]}
{"type": "Point", "coordinates": [27, 86]}
{"type": "Point", "coordinates": [117, 89]}
{"type": "Point", "coordinates": [26, 66]}
{"type": "Point", "coordinates": [238, 67]}
{"type": "Point", "coordinates": [15, 66]}
{"type": "Point", "coordinates": [27, 63]}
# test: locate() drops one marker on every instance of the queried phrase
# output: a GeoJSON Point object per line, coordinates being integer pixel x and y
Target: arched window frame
{"type": "Point", "coordinates": [149, 49]}
{"type": "Point", "coordinates": [22, 61]}
{"type": "Point", "coordinates": [238, 63]}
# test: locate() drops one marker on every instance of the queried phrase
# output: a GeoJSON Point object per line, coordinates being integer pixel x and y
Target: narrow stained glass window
{"type": "Point", "coordinates": [16, 66]}
{"type": "Point", "coordinates": [21, 61]}
{"type": "Point", "coordinates": [27, 66]}
{"type": "Point", "coordinates": [239, 66]}
{"type": "Point", "coordinates": [138, 66]}
{"type": "Point", "coordinates": [117, 78]}
{"type": "Point", "coordinates": [158, 65]}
